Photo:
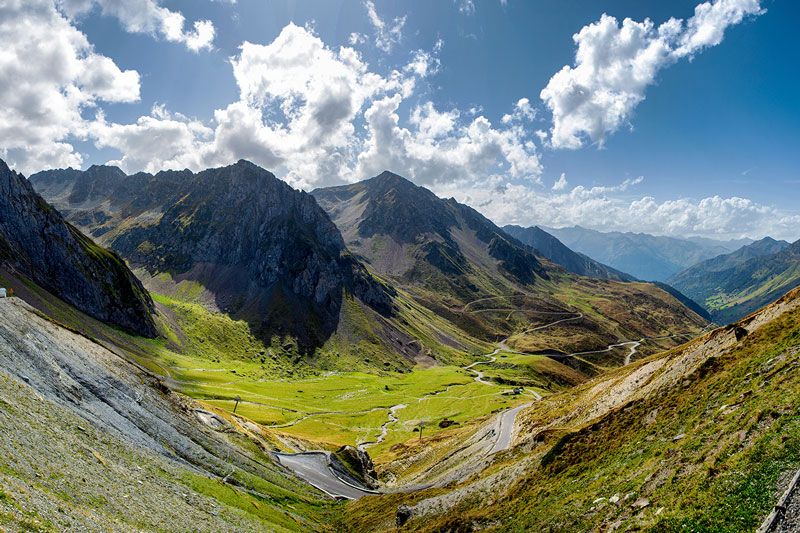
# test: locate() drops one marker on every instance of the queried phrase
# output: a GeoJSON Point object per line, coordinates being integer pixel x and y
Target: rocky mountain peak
{"type": "Point", "coordinates": [267, 252]}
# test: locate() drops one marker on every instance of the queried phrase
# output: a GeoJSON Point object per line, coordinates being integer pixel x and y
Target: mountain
{"type": "Point", "coordinates": [37, 245]}
{"type": "Point", "coordinates": [407, 232]}
{"type": "Point", "coordinates": [644, 256]}
{"type": "Point", "coordinates": [459, 264]}
{"type": "Point", "coordinates": [260, 250]}
{"type": "Point", "coordinates": [704, 437]}
{"type": "Point", "coordinates": [555, 251]}
{"type": "Point", "coordinates": [733, 285]}
{"type": "Point", "coordinates": [93, 441]}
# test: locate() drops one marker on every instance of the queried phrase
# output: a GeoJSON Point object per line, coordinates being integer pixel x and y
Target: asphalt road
{"type": "Point", "coordinates": [313, 468]}
{"type": "Point", "coordinates": [506, 428]}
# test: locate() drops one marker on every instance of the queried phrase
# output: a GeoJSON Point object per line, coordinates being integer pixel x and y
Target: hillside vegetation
{"type": "Point", "coordinates": [734, 285]}
{"type": "Point", "coordinates": [701, 438]}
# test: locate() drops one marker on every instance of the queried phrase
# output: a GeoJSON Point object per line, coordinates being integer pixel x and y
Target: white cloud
{"type": "Point", "coordinates": [386, 34]}
{"type": "Point", "coordinates": [606, 209]}
{"type": "Point", "coordinates": [154, 142]}
{"type": "Point", "coordinates": [523, 110]}
{"type": "Point", "coordinates": [51, 74]}
{"type": "Point", "coordinates": [466, 7]}
{"type": "Point", "coordinates": [147, 16]}
{"type": "Point", "coordinates": [615, 63]}
{"type": "Point", "coordinates": [356, 39]}
{"type": "Point", "coordinates": [437, 148]}
{"type": "Point", "coordinates": [561, 183]}
{"type": "Point", "coordinates": [300, 112]}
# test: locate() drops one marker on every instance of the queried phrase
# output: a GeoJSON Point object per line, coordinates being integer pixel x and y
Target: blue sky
{"type": "Point", "coordinates": [699, 138]}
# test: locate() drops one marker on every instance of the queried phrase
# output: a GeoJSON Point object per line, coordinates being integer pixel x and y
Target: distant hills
{"type": "Point", "coordinates": [556, 251]}
{"type": "Point", "coordinates": [378, 267]}
{"type": "Point", "coordinates": [733, 285]}
{"type": "Point", "coordinates": [647, 257]}
{"type": "Point", "coordinates": [38, 247]}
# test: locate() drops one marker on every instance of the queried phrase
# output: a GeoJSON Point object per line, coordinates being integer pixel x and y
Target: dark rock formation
{"type": "Point", "coordinates": [267, 252]}
{"type": "Point", "coordinates": [37, 243]}
{"type": "Point", "coordinates": [357, 464]}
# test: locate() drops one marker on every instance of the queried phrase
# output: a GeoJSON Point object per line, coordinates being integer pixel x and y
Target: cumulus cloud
{"type": "Point", "coordinates": [147, 16]}
{"type": "Point", "coordinates": [153, 142]}
{"type": "Point", "coordinates": [51, 74]}
{"type": "Point", "coordinates": [605, 208]}
{"type": "Point", "coordinates": [386, 34]}
{"type": "Point", "coordinates": [318, 115]}
{"type": "Point", "coordinates": [561, 183]}
{"type": "Point", "coordinates": [615, 64]}
{"type": "Point", "coordinates": [439, 148]}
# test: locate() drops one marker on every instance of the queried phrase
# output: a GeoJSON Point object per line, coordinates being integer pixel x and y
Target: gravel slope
{"type": "Point", "coordinates": [90, 442]}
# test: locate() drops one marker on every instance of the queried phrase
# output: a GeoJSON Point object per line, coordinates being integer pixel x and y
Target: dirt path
{"type": "Point", "coordinates": [577, 316]}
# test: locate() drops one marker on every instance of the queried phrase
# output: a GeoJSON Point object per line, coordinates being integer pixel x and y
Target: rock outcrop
{"type": "Point", "coordinates": [36, 242]}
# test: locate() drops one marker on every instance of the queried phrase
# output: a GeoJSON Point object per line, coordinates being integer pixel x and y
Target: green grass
{"type": "Point", "coordinates": [335, 409]}
{"type": "Point", "coordinates": [738, 415]}
{"type": "Point", "coordinates": [537, 371]}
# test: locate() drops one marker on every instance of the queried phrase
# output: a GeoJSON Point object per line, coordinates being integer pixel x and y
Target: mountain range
{"type": "Point", "coordinates": [734, 285]}
{"type": "Point", "coordinates": [462, 266]}
{"type": "Point", "coordinates": [240, 265]}
{"type": "Point", "coordinates": [289, 263]}
{"type": "Point", "coordinates": [265, 252]}
{"type": "Point", "coordinates": [647, 257]}
{"type": "Point", "coordinates": [552, 248]}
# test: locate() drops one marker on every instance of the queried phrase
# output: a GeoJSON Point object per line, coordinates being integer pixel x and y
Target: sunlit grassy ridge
{"type": "Point", "coordinates": [707, 450]}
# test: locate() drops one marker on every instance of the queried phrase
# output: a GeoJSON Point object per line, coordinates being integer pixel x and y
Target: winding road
{"type": "Point", "coordinates": [507, 420]}
{"type": "Point", "coordinates": [314, 468]}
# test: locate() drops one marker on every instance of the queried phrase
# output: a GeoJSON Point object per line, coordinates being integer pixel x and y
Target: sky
{"type": "Point", "coordinates": [674, 118]}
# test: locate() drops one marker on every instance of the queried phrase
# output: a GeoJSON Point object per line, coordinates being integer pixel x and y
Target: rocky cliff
{"type": "Point", "coordinates": [36, 242]}
{"type": "Point", "coordinates": [267, 252]}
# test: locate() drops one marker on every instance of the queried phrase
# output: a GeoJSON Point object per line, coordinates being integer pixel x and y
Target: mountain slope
{"type": "Point", "coordinates": [92, 442]}
{"type": "Point", "coordinates": [36, 244]}
{"type": "Point", "coordinates": [644, 256]}
{"type": "Point", "coordinates": [466, 269]}
{"type": "Point", "coordinates": [704, 437]}
{"type": "Point", "coordinates": [265, 252]}
{"type": "Point", "coordinates": [407, 232]}
{"type": "Point", "coordinates": [732, 286]}
{"type": "Point", "coordinates": [685, 300]}
{"type": "Point", "coordinates": [555, 251]}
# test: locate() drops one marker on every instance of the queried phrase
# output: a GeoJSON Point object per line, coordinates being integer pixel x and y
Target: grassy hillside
{"type": "Point", "coordinates": [701, 438]}
{"type": "Point", "coordinates": [94, 443]}
{"type": "Point", "coordinates": [468, 271]}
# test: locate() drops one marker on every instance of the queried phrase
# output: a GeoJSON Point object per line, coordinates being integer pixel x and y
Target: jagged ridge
{"type": "Point", "coordinates": [36, 243]}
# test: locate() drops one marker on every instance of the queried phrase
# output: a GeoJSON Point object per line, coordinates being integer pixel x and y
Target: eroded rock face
{"type": "Point", "coordinates": [37, 243]}
{"type": "Point", "coordinates": [358, 464]}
